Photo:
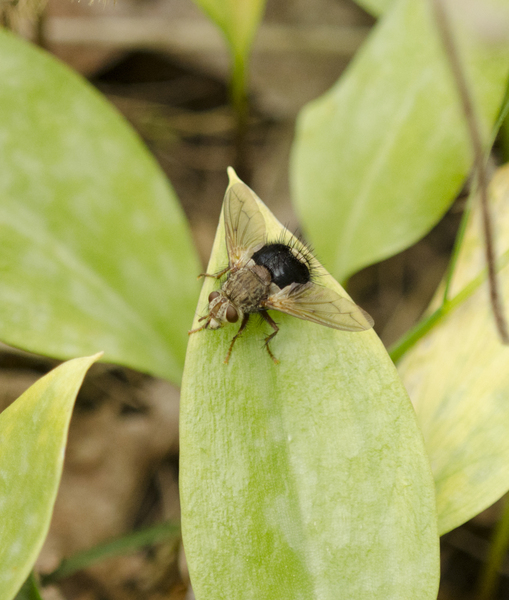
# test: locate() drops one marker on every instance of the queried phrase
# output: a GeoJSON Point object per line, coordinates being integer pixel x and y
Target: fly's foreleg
{"type": "Point", "coordinates": [217, 275]}
{"type": "Point", "coordinates": [274, 326]}
{"type": "Point", "coordinates": [245, 319]}
{"type": "Point", "coordinates": [208, 318]}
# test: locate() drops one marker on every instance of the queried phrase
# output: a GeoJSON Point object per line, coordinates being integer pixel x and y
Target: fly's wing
{"type": "Point", "coordinates": [321, 305]}
{"type": "Point", "coordinates": [244, 223]}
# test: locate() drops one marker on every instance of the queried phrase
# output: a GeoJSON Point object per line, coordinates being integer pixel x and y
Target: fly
{"type": "Point", "coordinates": [265, 276]}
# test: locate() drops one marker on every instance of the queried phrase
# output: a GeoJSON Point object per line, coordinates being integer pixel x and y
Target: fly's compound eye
{"type": "Point", "coordinates": [232, 316]}
{"type": "Point", "coordinates": [213, 296]}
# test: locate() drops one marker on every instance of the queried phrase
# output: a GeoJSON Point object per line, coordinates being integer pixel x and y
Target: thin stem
{"type": "Point", "coordinates": [412, 336]}
{"type": "Point", "coordinates": [40, 29]}
{"type": "Point", "coordinates": [119, 546]}
{"type": "Point", "coordinates": [240, 105]}
{"type": "Point", "coordinates": [416, 333]}
{"type": "Point", "coordinates": [426, 324]}
{"type": "Point", "coordinates": [457, 245]}
{"type": "Point", "coordinates": [238, 88]}
{"type": "Point", "coordinates": [499, 546]}
{"type": "Point", "coordinates": [468, 208]}
{"type": "Point", "coordinates": [501, 118]}
{"type": "Point", "coordinates": [445, 31]}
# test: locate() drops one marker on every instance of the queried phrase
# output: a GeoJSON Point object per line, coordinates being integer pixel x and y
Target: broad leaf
{"type": "Point", "coordinates": [380, 157]}
{"type": "Point", "coordinates": [303, 480]}
{"type": "Point", "coordinates": [458, 379]}
{"type": "Point", "coordinates": [94, 249]}
{"type": "Point", "coordinates": [33, 435]}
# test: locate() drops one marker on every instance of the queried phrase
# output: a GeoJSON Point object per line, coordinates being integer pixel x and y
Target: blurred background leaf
{"type": "Point", "coordinates": [375, 7]}
{"type": "Point", "coordinates": [306, 479]}
{"type": "Point", "coordinates": [237, 19]}
{"type": "Point", "coordinates": [95, 253]}
{"type": "Point", "coordinates": [458, 379]}
{"type": "Point", "coordinates": [126, 544]}
{"type": "Point", "coordinates": [33, 435]}
{"type": "Point", "coordinates": [29, 590]}
{"type": "Point", "coordinates": [381, 156]}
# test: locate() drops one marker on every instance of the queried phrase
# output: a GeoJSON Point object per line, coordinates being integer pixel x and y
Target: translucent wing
{"type": "Point", "coordinates": [321, 305]}
{"type": "Point", "coordinates": [244, 223]}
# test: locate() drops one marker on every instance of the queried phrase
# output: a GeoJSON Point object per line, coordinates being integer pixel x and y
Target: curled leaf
{"type": "Point", "coordinates": [33, 435]}
{"type": "Point", "coordinates": [458, 379]}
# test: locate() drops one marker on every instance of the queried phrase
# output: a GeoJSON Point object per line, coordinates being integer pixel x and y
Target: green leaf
{"type": "Point", "coordinates": [375, 7]}
{"type": "Point", "coordinates": [491, 572]}
{"type": "Point", "coordinates": [95, 253]}
{"type": "Point", "coordinates": [237, 19]}
{"type": "Point", "coordinates": [29, 590]}
{"type": "Point", "coordinates": [33, 434]}
{"type": "Point", "coordinates": [125, 544]}
{"type": "Point", "coordinates": [458, 379]}
{"type": "Point", "coordinates": [380, 157]}
{"type": "Point", "coordinates": [303, 480]}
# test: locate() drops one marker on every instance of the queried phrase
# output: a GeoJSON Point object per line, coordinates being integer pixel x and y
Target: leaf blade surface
{"type": "Point", "coordinates": [305, 479]}
{"type": "Point", "coordinates": [33, 435]}
{"type": "Point", "coordinates": [379, 158]}
{"type": "Point", "coordinates": [94, 252]}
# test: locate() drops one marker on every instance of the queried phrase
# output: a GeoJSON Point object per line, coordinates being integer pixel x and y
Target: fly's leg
{"type": "Point", "coordinates": [245, 319]}
{"type": "Point", "coordinates": [217, 275]}
{"type": "Point", "coordinates": [202, 327]}
{"type": "Point", "coordinates": [272, 323]}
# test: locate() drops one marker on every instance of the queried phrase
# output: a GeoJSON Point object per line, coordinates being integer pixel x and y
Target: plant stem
{"type": "Point", "coordinates": [501, 118]}
{"type": "Point", "coordinates": [123, 545]}
{"type": "Point", "coordinates": [457, 245]}
{"type": "Point", "coordinates": [426, 324]}
{"type": "Point", "coordinates": [445, 31]}
{"type": "Point", "coordinates": [240, 105]}
{"type": "Point", "coordinates": [421, 328]}
{"type": "Point", "coordinates": [468, 208]}
{"type": "Point", "coordinates": [416, 333]}
{"type": "Point", "coordinates": [499, 546]}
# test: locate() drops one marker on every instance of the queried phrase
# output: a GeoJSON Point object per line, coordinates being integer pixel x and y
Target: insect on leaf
{"type": "Point", "coordinates": [270, 275]}
{"type": "Point", "coordinates": [307, 479]}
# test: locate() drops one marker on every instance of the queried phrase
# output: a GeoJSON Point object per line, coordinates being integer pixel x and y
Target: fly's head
{"type": "Point", "coordinates": [221, 310]}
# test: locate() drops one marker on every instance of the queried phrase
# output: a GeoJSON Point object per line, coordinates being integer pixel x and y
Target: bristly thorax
{"type": "Point", "coordinates": [247, 287]}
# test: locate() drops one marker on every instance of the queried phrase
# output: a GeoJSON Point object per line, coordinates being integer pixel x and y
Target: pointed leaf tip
{"type": "Point", "coordinates": [233, 177]}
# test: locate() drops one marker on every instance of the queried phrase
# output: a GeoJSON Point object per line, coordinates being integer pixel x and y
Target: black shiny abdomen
{"type": "Point", "coordinates": [284, 267]}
